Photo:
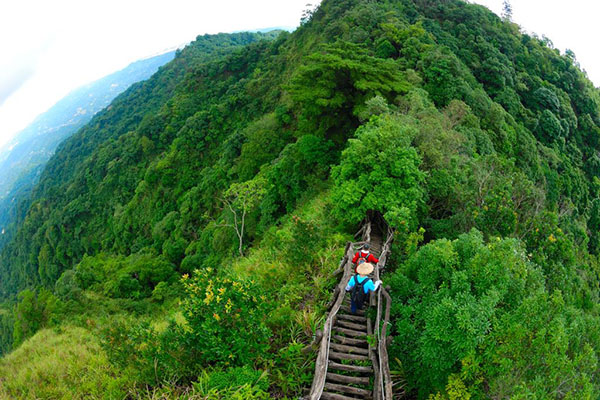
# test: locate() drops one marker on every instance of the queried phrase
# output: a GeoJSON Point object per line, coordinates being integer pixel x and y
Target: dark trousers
{"type": "Point", "coordinates": [354, 307]}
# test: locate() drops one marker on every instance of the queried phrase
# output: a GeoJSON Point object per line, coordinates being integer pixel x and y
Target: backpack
{"type": "Point", "coordinates": [362, 259]}
{"type": "Point", "coordinates": [358, 294]}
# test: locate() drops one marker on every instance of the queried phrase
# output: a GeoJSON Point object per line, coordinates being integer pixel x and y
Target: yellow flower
{"type": "Point", "coordinates": [209, 296]}
{"type": "Point", "coordinates": [185, 276]}
{"type": "Point", "coordinates": [551, 238]}
{"type": "Point", "coordinates": [221, 290]}
{"type": "Point", "coordinates": [217, 316]}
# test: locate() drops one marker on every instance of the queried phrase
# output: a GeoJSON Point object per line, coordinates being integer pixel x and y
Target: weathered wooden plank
{"type": "Point", "coordinates": [336, 396]}
{"type": "Point", "coordinates": [350, 332]}
{"type": "Point", "coordinates": [351, 368]}
{"type": "Point", "coordinates": [334, 355]}
{"type": "Point", "coordinates": [363, 393]}
{"type": "Point", "coordinates": [351, 317]}
{"type": "Point", "coordinates": [350, 341]}
{"type": "Point", "coordinates": [348, 349]}
{"type": "Point", "coordinates": [356, 380]}
{"type": "Point", "coordinates": [352, 325]}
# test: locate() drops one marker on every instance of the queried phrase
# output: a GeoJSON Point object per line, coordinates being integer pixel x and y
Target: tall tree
{"type": "Point", "coordinates": [507, 11]}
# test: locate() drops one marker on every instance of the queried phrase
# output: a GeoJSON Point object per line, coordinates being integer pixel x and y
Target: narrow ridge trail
{"type": "Point", "coordinates": [352, 362]}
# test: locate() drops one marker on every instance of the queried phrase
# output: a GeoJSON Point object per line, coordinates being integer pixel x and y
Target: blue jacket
{"type": "Point", "coordinates": [369, 286]}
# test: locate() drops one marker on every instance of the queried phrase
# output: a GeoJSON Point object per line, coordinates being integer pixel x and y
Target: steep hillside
{"type": "Point", "coordinates": [24, 157]}
{"type": "Point", "coordinates": [193, 226]}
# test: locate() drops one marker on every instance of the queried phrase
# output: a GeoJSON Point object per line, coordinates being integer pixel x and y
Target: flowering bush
{"type": "Point", "coordinates": [226, 317]}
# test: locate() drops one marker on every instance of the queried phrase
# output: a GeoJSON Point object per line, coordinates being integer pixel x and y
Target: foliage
{"type": "Point", "coordinates": [379, 171]}
{"type": "Point", "coordinates": [334, 86]}
{"type": "Point", "coordinates": [225, 317]}
{"type": "Point", "coordinates": [33, 311]}
{"type": "Point", "coordinates": [234, 377]}
{"type": "Point", "coordinates": [135, 276]}
{"type": "Point", "coordinates": [483, 315]}
{"type": "Point", "coordinates": [233, 383]}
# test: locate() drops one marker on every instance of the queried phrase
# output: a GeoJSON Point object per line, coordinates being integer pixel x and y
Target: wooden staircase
{"type": "Point", "coordinates": [349, 366]}
{"type": "Point", "coordinates": [349, 372]}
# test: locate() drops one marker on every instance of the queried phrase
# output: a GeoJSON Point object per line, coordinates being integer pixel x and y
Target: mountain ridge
{"type": "Point", "coordinates": [192, 229]}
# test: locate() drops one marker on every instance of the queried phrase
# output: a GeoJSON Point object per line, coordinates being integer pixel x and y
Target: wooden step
{"type": "Point", "coordinates": [345, 356]}
{"type": "Point", "coordinates": [354, 391]}
{"type": "Point", "coordinates": [350, 341]}
{"type": "Point", "coordinates": [355, 380]}
{"type": "Point", "coordinates": [336, 396]}
{"type": "Point", "coordinates": [351, 317]}
{"type": "Point", "coordinates": [350, 332]}
{"type": "Point", "coordinates": [351, 325]}
{"type": "Point", "coordinates": [348, 349]}
{"type": "Point", "coordinates": [350, 368]}
{"type": "Point", "coordinates": [346, 308]}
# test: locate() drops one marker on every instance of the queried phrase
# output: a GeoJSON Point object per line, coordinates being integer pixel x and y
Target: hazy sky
{"type": "Point", "coordinates": [50, 47]}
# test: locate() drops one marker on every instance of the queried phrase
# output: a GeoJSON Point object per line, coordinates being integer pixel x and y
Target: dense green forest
{"type": "Point", "coordinates": [23, 159]}
{"type": "Point", "coordinates": [132, 275]}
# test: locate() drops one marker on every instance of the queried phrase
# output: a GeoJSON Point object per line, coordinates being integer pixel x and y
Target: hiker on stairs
{"type": "Point", "coordinates": [363, 255]}
{"type": "Point", "coordinates": [360, 285]}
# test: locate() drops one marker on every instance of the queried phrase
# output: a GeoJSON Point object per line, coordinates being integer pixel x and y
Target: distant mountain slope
{"type": "Point", "coordinates": [23, 158]}
{"type": "Point", "coordinates": [35, 144]}
{"type": "Point", "coordinates": [137, 104]}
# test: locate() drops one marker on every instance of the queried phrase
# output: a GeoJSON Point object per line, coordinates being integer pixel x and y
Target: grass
{"type": "Point", "coordinates": [59, 364]}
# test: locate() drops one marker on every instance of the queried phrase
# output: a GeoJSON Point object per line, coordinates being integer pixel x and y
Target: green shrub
{"type": "Point", "coordinates": [234, 383]}
{"type": "Point", "coordinates": [67, 287]}
{"type": "Point", "coordinates": [226, 318]}
{"type": "Point", "coordinates": [447, 301]}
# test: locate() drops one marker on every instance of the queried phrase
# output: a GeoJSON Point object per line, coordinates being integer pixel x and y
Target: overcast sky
{"type": "Point", "coordinates": [50, 47]}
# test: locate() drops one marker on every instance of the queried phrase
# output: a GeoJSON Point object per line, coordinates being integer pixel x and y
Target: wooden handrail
{"type": "Point", "coordinates": [382, 347]}
{"type": "Point", "coordinates": [382, 389]}
{"type": "Point", "coordinates": [322, 359]}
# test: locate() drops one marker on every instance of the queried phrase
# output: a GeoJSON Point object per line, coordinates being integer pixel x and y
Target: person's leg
{"type": "Point", "coordinates": [352, 306]}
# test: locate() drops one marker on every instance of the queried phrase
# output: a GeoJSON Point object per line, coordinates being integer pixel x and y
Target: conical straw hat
{"type": "Point", "coordinates": [365, 269]}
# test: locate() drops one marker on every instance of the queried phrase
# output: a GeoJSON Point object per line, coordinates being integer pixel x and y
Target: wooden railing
{"type": "Point", "coordinates": [382, 388]}
{"type": "Point", "coordinates": [323, 357]}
